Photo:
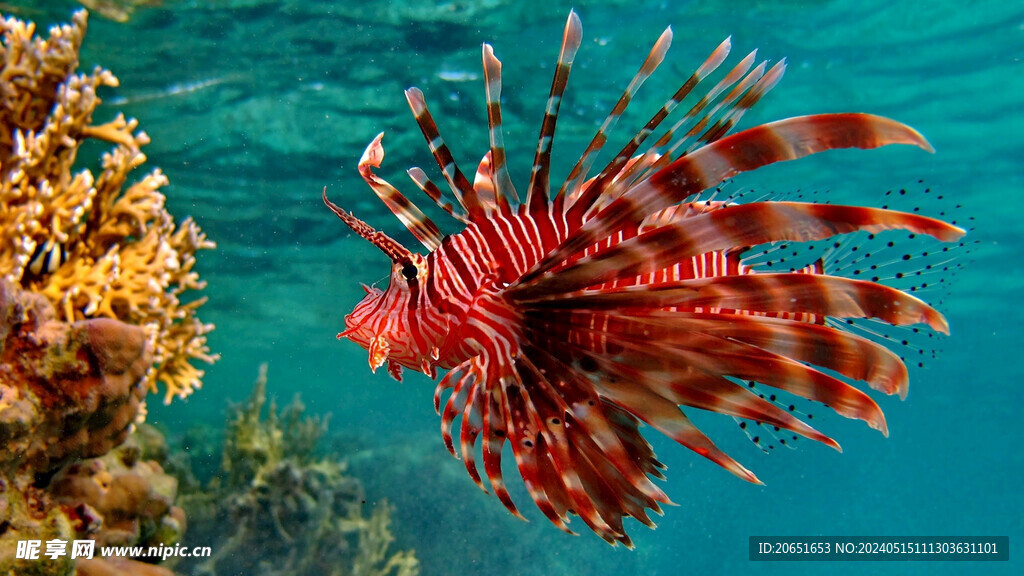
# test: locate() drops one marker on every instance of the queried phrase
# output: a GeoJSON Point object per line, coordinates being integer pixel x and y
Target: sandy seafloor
{"type": "Point", "coordinates": [254, 105]}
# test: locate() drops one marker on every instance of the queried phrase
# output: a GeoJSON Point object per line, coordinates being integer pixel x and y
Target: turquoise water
{"type": "Point", "coordinates": [254, 106]}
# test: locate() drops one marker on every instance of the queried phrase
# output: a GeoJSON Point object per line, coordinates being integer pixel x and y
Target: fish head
{"type": "Point", "coordinates": [382, 322]}
{"type": "Point", "coordinates": [386, 322]}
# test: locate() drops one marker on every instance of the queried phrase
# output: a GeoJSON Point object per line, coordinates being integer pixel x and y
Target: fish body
{"type": "Point", "coordinates": [568, 316]}
{"type": "Point", "coordinates": [47, 258]}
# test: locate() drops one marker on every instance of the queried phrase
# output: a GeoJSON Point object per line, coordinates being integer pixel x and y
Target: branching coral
{"type": "Point", "coordinates": [94, 246]}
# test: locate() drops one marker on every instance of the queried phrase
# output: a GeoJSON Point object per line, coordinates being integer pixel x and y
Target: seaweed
{"type": "Point", "coordinates": [274, 493]}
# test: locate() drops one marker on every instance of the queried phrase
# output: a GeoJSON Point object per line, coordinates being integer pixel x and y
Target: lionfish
{"type": "Point", "coordinates": [567, 318]}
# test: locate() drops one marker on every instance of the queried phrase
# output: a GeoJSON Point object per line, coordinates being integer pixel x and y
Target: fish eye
{"type": "Point", "coordinates": [409, 271]}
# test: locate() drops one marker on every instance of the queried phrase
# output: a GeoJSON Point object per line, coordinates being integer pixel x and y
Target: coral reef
{"type": "Point", "coordinates": [274, 494]}
{"type": "Point", "coordinates": [122, 499]}
{"type": "Point", "coordinates": [70, 391]}
{"type": "Point", "coordinates": [95, 246]}
{"type": "Point", "coordinates": [26, 514]}
{"type": "Point", "coordinates": [133, 496]}
{"type": "Point", "coordinates": [67, 391]}
{"type": "Point", "coordinates": [95, 310]}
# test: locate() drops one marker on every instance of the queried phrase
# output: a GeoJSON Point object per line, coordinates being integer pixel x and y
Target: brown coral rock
{"type": "Point", "coordinates": [67, 391]}
{"type": "Point", "coordinates": [134, 498]}
{"type": "Point", "coordinates": [115, 344]}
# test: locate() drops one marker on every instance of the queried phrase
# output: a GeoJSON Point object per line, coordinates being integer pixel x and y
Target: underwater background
{"type": "Point", "coordinates": [253, 106]}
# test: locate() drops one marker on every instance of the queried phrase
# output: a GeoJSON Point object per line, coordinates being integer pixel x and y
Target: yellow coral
{"type": "Point", "coordinates": [95, 246]}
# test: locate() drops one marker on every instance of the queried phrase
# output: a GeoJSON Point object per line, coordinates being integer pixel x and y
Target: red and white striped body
{"type": "Point", "coordinates": [569, 317]}
{"type": "Point", "coordinates": [423, 321]}
{"type": "Point", "coordinates": [426, 321]}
